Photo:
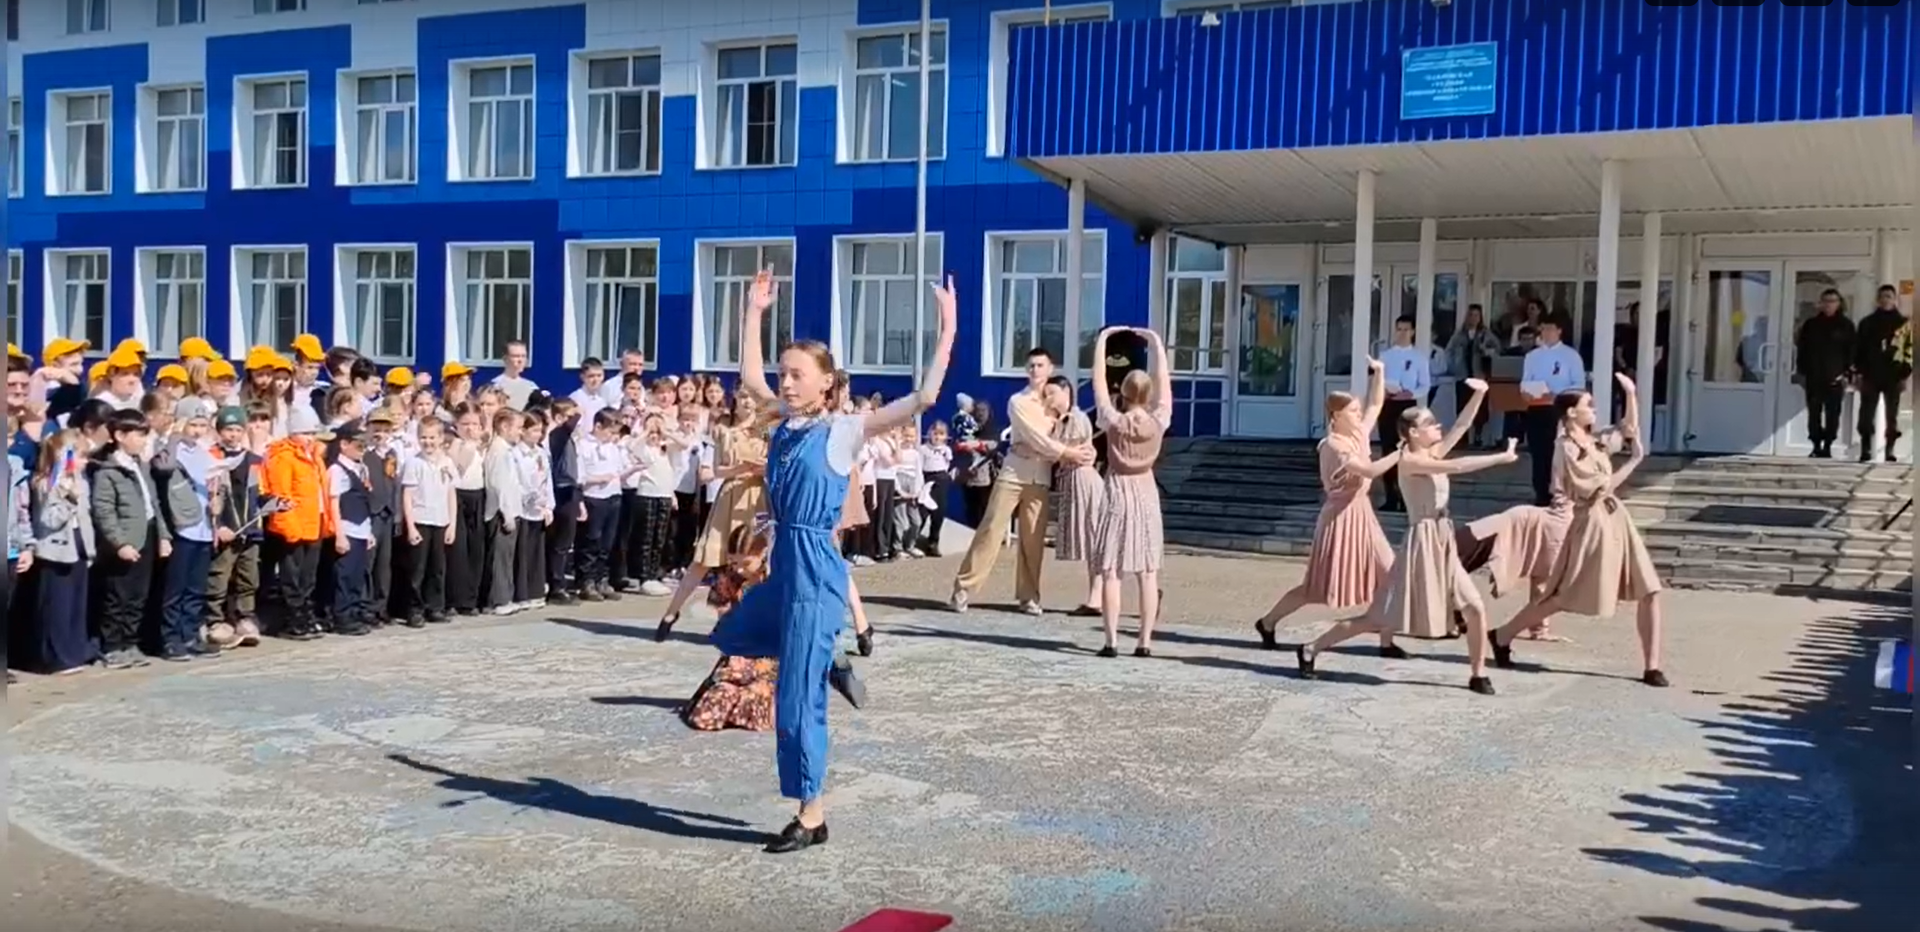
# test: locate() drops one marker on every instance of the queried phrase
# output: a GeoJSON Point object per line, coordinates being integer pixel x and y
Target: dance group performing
{"type": "Point", "coordinates": [784, 589]}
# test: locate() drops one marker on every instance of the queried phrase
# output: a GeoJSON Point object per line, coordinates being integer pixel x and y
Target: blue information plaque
{"type": "Point", "coordinates": [1449, 81]}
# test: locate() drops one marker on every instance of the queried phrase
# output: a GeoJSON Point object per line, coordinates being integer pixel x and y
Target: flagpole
{"type": "Point", "coordinates": [920, 198]}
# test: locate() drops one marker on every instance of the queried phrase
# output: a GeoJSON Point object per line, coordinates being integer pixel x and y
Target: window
{"type": "Point", "coordinates": [279, 131]}
{"type": "Point", "coordinates": [1241, 6]}
{"type": "Point", "coordinates": [499, 123]}
{"type": "Point", "coordinates": [84, 16]}
{"type": "Point", "coordinates": [622, 129]}
{"type": "Point", "coordinates": [182, 12]}
{"type": "Point", "coordinates": [173, 297]}
{"type": "Point", "coordinates": [380, 308]}
{"type": "Point", "coordinates": [272, 293]}
{"type": "Point", "coordinates": [83, 161]}
{"type": "Point", "coordinates": [385, 127]}
{"type": "Point", "coordinates": [998, 52]}
{"type": "Point", "coordinates": [16, 160]}
{"type": "Point", "coordinates": [179, 139]}
{"type": "Point", "coordinates": [16, 269]}
{"type": "Point", "coordinates": [1197, 307]}
{"type": "Point", "coordinates": [1030, 296]}
{"type": "Point", "coordinates": [880, 298]}
{"type": "Point", "coordinates": [78, 295]}
{"type": "Point", "coordinates": [757, 120]}
{"type": "Point", "coordinates": [886, 96]}
{"type": "Point", "coordinates": [620, 300]}
{"type": "Point", "coordinates": [730, 269]}
{"type": "Point", "coordinates": [497, 302]}
{"type": "Point", "coordinates": [279, 6]}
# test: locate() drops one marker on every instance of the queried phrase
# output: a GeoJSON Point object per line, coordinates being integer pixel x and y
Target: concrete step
{"type": "Point", "coordinates": [1692, 573]}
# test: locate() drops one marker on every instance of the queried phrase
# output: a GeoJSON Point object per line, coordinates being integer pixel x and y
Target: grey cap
{"type": "Point", "coordinates": [186, 409]}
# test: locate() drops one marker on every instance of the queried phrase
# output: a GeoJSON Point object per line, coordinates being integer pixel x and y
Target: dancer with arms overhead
{"type": "Point", "coordinates": [796, 613]}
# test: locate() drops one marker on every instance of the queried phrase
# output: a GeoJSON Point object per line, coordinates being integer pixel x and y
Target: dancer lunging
{"type": "Point", "coordinates": [1603, 561]}
{"type": "Point", "coordinates": [796, 612]}
{"type": "Point", "coordinates": [1131, 538]}
{"type": "Point", "coordinates": [1427, 581]}
{"type": "Point", "coordinates": [1350, 552]}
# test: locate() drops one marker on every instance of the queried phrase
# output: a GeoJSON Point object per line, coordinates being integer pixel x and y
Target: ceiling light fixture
{"type": "Point", "coordinates": [1209, 18]}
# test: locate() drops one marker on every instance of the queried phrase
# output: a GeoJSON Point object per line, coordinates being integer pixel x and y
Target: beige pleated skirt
{"type": "Point", "coordinates": [1081, 506]}
{"type": "Point", "coordinates": [1350, 553]}
{"type": "Point", "coordinates": [1131, 538]}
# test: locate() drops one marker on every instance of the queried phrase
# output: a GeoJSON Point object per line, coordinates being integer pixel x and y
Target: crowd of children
{"type": "Point", "coordinates": [309, 493]}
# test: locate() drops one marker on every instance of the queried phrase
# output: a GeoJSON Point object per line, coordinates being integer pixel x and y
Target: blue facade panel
{"type": "Point", "coordinates": [1331, 74]}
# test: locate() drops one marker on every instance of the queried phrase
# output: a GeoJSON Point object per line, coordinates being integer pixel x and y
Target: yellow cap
{"type": "Point", "coordinates": [197, 348]}
{"type": "Point", "coordinates": [221, 369]}
{"type": "Point", "coordinates": [125, 357]}
{"type": "Point", "coordinates": [63, 346]}
{"type": "Point", "coordinates": [454, 370]}
{"type": "Point", "coordinates": [13, 352]}
{"type": "Point", "coordinates": [277, 361]}
{"type": "Point", "coordinates": [307, 347]}
{"type": "Point", "coordinates": [173, 371]}
{"type": "Point", "coordinates": [400, 377]}
{"type": "Point", "coordinates": [131, 345]}
{"type": "Point", "coordinates": [97, 371]}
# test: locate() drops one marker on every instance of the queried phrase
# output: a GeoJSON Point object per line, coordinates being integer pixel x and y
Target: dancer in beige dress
{"type": "Point", "coordinates": [1350, 552]}
{"type": "Point", "coordinates": [1083, 496]}
{"type": "Point", "coordinates": [1131, 539]}
{"type": "Point", "coordinates": [1603, 561]}
{"type": "Point", "coordinates": [1427, 582]}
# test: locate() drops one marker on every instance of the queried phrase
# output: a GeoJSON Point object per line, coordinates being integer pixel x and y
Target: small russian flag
{"type": "Point", "coordinates": [1893, 669]}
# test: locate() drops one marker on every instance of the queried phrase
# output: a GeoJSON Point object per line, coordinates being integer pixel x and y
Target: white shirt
{"type": "Point", "coordinates": [1407, 370]}
{"type": "Point", "coordinates": [613, 391]}
{"type": "Point", "coordinates": [591, 403]}
{"type": "Point", "coordinates": [687, 463]}
{"type": "Point", "coordinates": [503, 481]}
{"type": "Point", "coordinates": [1558, 367]}
{"type": "Point", "coordinates": [474, 477]}
{"type": "Point", "coordinates": [340, 479]}
{"type": "Point", "coordinates": [599, 466]}
{"type": "Point", "coordinates": [882, 459]}
{"type": "Point", "coordinates": [530, 474]}
{"type": "Point", "coordinates": [935, 458]}
{"type": "Point", "coordinates": [907, 480]}
{"type": "Point", "coordinates": [655, 477]}
{"type": "Point", "coordinates": [429, 484]}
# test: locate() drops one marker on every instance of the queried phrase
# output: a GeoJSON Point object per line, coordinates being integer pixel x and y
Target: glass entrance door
{"type": "Point", "coordinates": [1267, 398]}
{"type": "Point", "coordinates": [1389, 304]}
{"type": "Point", "coordinates": [1734, 374]}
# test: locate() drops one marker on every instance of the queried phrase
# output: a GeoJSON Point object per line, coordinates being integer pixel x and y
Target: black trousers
{"type": "Point", "coordinates": [1871, 397]}
{"type": "Point", "coordinates": [566, 515]}
{"type": "Point", "coordinates": [1388, 429]}
{"type": "Point", "coordinates": [617, 552]}
{"type": "Point", "coordinates": [940, 487]}
{"type": "Point", "coordinates": [1823, 410]}
{"type": "Point", "coordinates": [467, 560]}
{"type": "Point", "coordinates": [689, 518]}
{"type": "Point", "coordinates": [976, 498]}
{"type": "Point", "coordinates": [381, 599]}
{"type": "Point", "coordinates": [648, 538]}
{"type": "Point", "coordinates": [1543, 428]}
{"type": "Point", "coordinates": [427, 574]}
{"type": "Point", "coordinates": [880, 507]}
{"type": "Point", "coordinates": [125, 588]}
{"type": "Point", "coordinates": [297, 572]}
{"type": "Point", "coordinates": [353, 583]}
{"type": "Point", "coordinates": [596, 539]}
{"type": "Point", "coordinates": [530, 561]}
{"type": "Point", "coordinates": [503, 552]}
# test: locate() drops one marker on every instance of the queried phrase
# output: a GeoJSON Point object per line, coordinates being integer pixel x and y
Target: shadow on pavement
{"type": "Point", "coordinates": [555, 796]}
{"type": "Point", "coordinates": [643, 630]}
{"type": "Point", "coordinates": [1815, 799]}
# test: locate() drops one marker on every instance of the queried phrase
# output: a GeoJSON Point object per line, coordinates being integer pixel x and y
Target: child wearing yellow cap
{"type": "Point", "coordinates": [172, 381]}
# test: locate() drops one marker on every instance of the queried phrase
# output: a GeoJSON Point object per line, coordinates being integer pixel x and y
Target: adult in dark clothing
{"type": "Point", "coordinates": [1822, 358]}
{"type": "Point", "coordinates": [1881, 370]}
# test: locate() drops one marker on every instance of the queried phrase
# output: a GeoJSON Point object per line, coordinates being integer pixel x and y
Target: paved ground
{"type": "Point", "coordinates": [529, 774]}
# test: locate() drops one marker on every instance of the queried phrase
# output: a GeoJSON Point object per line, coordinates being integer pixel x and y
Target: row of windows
{"type": "Point", "coordinates": [615, 117]}
{"type": "Point", "coordinates": [612, 300]}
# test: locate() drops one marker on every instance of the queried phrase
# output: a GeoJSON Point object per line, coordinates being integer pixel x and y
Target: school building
{"type": "Point", "coordinates": [1270, 183]}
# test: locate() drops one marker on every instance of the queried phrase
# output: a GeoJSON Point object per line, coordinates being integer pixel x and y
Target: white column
{"type": "Point", "coordinates": [1649, 318]}
{"type": "Point", "coordinates": [1076, 243]}
{"type": "Point", "coordinates": [1607, 292]}
{"type": "Point", "coordinates": [1228, 358]}
{"type": "Point", "coordinates": [1362, 281]}
{"type": "Point", "coordinates": [1883, 258]}
{"type": "Point", "coordinates": [1159, 255]}
{"type": "Point", "coordinates": [1423, 306]}
{"type": "Point", "coordinates": [920, 204]}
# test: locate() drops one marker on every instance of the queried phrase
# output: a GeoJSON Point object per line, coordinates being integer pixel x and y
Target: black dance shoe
{"type": "Point", "coordinates": [1394, 652]}
{"type": "Point", "coordinates": [1306, 662]}
{"type": "Point", "coordinates": [863, 642]}
{"type": "Point", "coordinates": [665, 627]}
{"type": "Point", "coordinates": [1084, 611]}
{"type": "Point", "coordinates": [1143, 652]}
{"type": "Point", "coordinates": [1481, 685]}
{"type": "Point", "coordinates": [1654, 678]}
{"type": "Point", "coordinates": [1502, 654]}
{"type": "Point", "coordinates": [1108, 651]}
{"type": "Point", "coordinates": [848, 683]}
{"type": "Point", "coordinates": [1267, 639]}
{"type": "Point", "coordinates": [797, 837]}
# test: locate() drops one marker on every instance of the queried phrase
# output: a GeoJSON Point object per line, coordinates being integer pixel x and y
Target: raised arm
{"type": "Point", "coordinates": [1376, 396]}
{"type": "Point", "coordinates": [1430, 466]}
{"type": "Point", "coordinates": [1463, 421]}
{"type": "Point", "coordinates": [1364, 468]}
{"type": "Point", "coordinates": [753, 367]}
{"type": "Point", "coordinates": [1104, 412]}
{"type": "Point", "coordinates": [1162, 379]}
{"type": "Point", "coordinates": [903, 410]}
{"type": "Point", "coordinates": [1630, 432]}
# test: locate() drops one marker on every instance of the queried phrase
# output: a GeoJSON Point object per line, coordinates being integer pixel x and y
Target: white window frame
{"type": "Point", "coordinates": [250, 313]}
{"type": "Point", "coordinates": [360, 326]}
{"type": "Point", "coordinates": [718, 300]}
{"type": "Point", "coordinates": [460, 119]}
{"type": "Point", "coordinates": [271, 7]}
{"type": "Point", "coordinates": [16, 156]}
{"type": "Point", "coordinates": [1000, 52]}
{"type": "Point", "coordinates": [585, 147]}
{"type": "Point", "coordinates": [853, 138]}
{"type": "Point", "coordinates": [998, 355]}
{"type": "Point", "coordinates": [714, 151]}
{"type": "Point", "coordinates": [850, 306]}
{"type": "Point", "coordinates": [178, 297]}
{"type": "Point", "coordinates": [151, 169]}
{"type": "Point", "coordinates": [176, 8]}
{"type": "Point", "coordinates": [588, 296]}
{"type": "Point", "coordinates": [1206, 359]}
{"type": "Point", "coordinates": [60, 144]}
{"type": "Point", "coordinates": [1170, 8]}
{"type": "Point", "coordinates": [61, 293]}
{"type": "Point", "coordinates": [348, 164]}
{"type": "Point", "coordinates": [16, 293]}
{"type": "Point", "coordinates": [466, 326]}
{"type": "Point", "coordinates": [246, 154]}
{"type": "Point", "coordinates": [86, 17]}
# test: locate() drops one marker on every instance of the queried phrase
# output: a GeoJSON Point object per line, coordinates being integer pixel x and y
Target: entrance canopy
{"type": "Point", "coordinates": [1827, 175]}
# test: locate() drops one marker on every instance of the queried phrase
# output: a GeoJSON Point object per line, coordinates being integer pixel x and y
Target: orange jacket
{"type": "Point", "coordinates": [297, 472]}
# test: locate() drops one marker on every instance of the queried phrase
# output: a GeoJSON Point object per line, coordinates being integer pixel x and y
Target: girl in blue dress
{"type": "Point", "coordinates": [796, 613]}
